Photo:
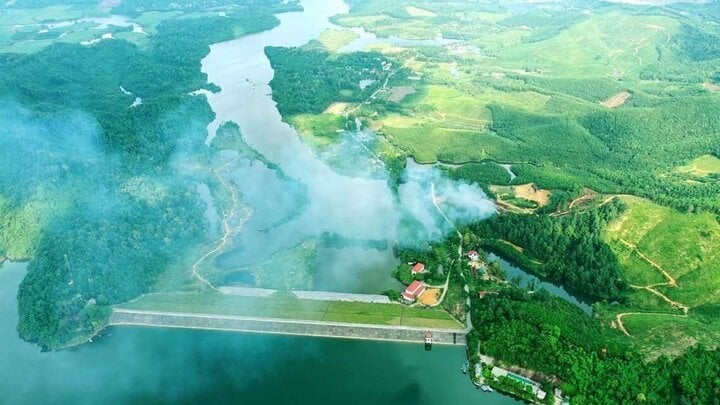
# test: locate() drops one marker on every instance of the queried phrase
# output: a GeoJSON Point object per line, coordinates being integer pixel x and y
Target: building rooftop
{"type": "Point", "coordinates": [415, 288]}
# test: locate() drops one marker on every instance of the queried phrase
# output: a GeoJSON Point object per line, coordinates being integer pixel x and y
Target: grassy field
{"type": "Point", "coordinates": [648, 240]}
{"type": "Point", "coordinates": [702, 166]}
{"type": "Point", "coordinates": [333, 39]}
{"type": "Point", "coordinates": [428, 144]}
{"type": "Point", "coordinates": [686, 246]}
{"type": "Point", "coordinates": [318, 130]}
{"type": "Point", "coordinates": [286, 306]}
{"type": "Point", "coordinates": [670, 335]}
{"type": "Point", "coordinates": [598, 45]}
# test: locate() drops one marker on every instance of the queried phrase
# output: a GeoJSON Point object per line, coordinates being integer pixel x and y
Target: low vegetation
{"type": "Point", "coordinates": [286, 306]}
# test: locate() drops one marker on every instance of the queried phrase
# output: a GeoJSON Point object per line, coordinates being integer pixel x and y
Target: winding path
{"type": "Point", "coordinates": [460, 254]}
{"type": "Point", "coordinates": [651, 289]}
{"type": "Point", "coordinates": [671, 280]}
{"type": "Point", "coordinates": [228, 230]}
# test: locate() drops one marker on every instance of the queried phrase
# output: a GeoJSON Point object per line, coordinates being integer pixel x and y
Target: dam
{"type": "Point", "coordinates": [280, 326]}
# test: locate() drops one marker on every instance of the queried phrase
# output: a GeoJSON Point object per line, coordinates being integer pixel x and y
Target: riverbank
{"type": "Point", "coordinates": [122, 317]}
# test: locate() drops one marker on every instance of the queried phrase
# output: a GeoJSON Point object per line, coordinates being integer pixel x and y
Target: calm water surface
{"type": "Point", "coordinates": [144, 365]}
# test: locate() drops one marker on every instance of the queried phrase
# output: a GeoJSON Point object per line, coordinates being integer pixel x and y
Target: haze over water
{"type": "Point", "coordinates": [359, 205]}
{"type": "Point", "coordinates": [142, 365]}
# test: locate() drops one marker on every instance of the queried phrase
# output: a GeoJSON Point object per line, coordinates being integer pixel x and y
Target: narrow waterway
{"type": "Point", "coordinates": [354, 207]}
{"type": "Point", "coordinates": [526, 278]}
{"type": "Point", "coordinates": [143, 365]}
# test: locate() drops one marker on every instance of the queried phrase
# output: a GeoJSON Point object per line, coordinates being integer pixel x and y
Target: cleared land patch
{"type": "Point", "coordinates": [450, 102]}
{"type": "Point", "coordinates": [337, 108]}
{"type": "Point", "coordinates": [669, 334]}
{"type": "Point", "coordinates": [616, 100]}
{"type": "Point", "coordinates": [683, 248]}
{"type": "Point", "coordinates": [711, 87]}
{"type": "Point", "coordinates": [333, 39]}
{"type": "Point", "coordinates": [419, 12]}
{"type": "Point", "coordinates": [583, 48]}
{"type": "Point", "coordinates": [399, 93]}
{"type": "Point", "coordinates": [430, 296]}
{"type": "Point", "coordinates": [532, 193]}
{"type": "Point", "coordinates": [701, 167]}
{"type": "Point", "coordinates": [525, 198]}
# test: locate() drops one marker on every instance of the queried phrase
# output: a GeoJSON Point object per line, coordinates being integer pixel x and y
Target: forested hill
{"type": "Point", "coordinates": [94, 173]}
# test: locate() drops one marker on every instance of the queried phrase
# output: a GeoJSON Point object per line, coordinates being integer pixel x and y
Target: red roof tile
{"type": "Point", "coordinates": [415, 288]}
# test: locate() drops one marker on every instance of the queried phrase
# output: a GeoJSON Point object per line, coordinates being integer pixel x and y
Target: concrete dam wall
{"type": "Point", "coordinates": [286, 326]}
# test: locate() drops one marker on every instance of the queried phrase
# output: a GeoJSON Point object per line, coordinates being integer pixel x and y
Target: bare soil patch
{"type": "Point", "coordinates": [399, 93]}
{"type": "Point", "coordinates": [430, 297]}
{"type": "Point", "coordinates": [419, 12]}
{"type": "Point", "coordinates": [338, 108]}
{"type": "Point", "coordinates": [616, 100]}
{"type": "Point", "coordinates": [711, 87]}
{"type": "Point", "coordinates": [532, 193]}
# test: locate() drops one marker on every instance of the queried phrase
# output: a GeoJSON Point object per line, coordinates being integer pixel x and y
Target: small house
{"type": "Point", "coordinates": [417, 269]}
{"type": "Point", "coordinates": [413, 291]}
{"type": "Point", "coordinates": [473, 255]}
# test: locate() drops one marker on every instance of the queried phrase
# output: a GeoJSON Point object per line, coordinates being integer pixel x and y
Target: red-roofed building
{"type": "Point", "coordinates": [473, 255]}
{"type": "Point", "coordinates": [418, 268]}
{"type": "Point", "coordinates": [413, 291]}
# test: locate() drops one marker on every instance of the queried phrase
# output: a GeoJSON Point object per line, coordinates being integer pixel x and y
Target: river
{"type": "Point", "coordinates": [354, 207]}
{"type": "Point", "coordinates": [354, 203]}
{"type": "Point", "coordinates": [144, 365]}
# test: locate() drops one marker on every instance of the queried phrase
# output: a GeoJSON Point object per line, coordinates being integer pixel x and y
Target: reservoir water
{"type": "Point", "coordinates": [144, 365]}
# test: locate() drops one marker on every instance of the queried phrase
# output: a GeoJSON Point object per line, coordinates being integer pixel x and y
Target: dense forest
{"type": "Point", "coordinates": [109, 168]}
{"type": "Point", "coordinates": [549, 335]}
{"type": "Point", "coordinates": [616, 150]}
{"type": "Point", "coordinates": [309, 80]}
{"type": "Point", "coordinates": [569, 248]}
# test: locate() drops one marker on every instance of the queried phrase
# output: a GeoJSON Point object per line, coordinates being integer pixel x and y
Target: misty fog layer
{"type": "Point", "coordinates": [353, 200]}
{"type": "Point", "coordinates": [140, 365]}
